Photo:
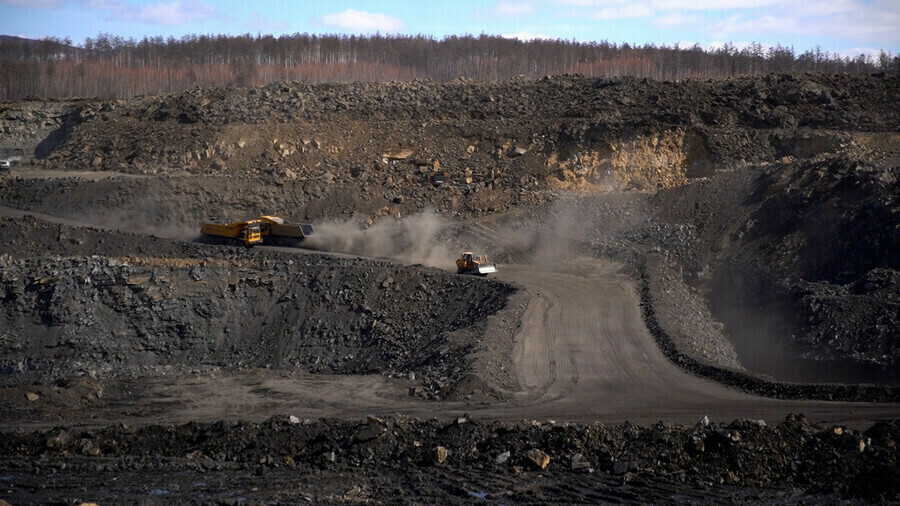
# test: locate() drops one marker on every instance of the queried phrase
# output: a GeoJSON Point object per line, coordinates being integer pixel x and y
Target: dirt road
{"type": "Point", "coordinates": [583, 355]}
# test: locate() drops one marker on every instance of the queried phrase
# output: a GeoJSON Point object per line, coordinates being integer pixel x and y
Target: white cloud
{"type": "Point", "coordinates": [514, 8]}
{"type": "Point", "coordinates": [853, 52]}
{"type": "Point", "coordinates": [875, 25]}
{"type": "Point", "coordinates": [678, 20]}
{"type": "Point", "coordinates": [590, 3]}
{"type": "Point", "coordinates": [362, 21]}
{"type": "Point", "coordinates": [737, 25]}
{"type": "Point", "coordinates": [175, 13]}
{"type": "Point", "coordinates": [33, 4]}
{"type": "Point", "coordinates": [170, 14]}
{"type": "Point", "coordinates": [623, 11]}
{"type": "Point", "coordinates": [710, 5]}
{"type": "Point", "coordinates": [819, 8]}
{"type": "Point", "coordinates": [260, 23]}
{"type": "Point", "coordinates": [105, 5]}
{"type": "Point", "coordinates": [867, 23]}
{"type": "Point", "coordinates": [674, 5]}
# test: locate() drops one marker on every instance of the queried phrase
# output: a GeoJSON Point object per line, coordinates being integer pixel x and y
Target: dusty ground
{"type": "Point", "coordinates": [667, 252]}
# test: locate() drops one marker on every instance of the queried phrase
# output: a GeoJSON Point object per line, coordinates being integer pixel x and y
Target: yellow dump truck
{"type": "Point", "coordinates": [470, 263]}
{"type": "Point", "coordinates": [251, 232]}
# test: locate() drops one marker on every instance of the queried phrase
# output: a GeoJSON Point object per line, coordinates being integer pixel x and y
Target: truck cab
{"type": "Point", "coordinates": [251, 234]}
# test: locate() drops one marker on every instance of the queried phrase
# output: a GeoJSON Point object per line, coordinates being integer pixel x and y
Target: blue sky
{"type": "Point", "coordinates": [846, 27]}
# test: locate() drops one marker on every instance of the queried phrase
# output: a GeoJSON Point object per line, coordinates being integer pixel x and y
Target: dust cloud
{"type": "Point", "coordinates": [561, 233]}
{"type": "Point", "coordinates": [413, 239]}
{"type": "Point", "coordinates": [557, 239]}
{"type": "Point", "coordinates": [141, 216]}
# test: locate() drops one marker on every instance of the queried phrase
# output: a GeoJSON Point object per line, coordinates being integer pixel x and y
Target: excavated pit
{"type": "Point", "coordinates": [183, 306]}
{"type": "Point", "coordinates": [751, 224]}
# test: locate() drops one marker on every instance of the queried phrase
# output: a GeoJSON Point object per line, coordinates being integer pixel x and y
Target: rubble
{"type": "Point", "coordinates": [769, 199]}
{"type": "Point", "coordinates": [793, 459]}
{"type": "Point", "coordinates": [173, 311]}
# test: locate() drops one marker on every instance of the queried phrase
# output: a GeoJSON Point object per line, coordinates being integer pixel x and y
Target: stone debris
{"type": "Point", "coordinates": [439, 456]}
{"type": "Point", "coordinates": [91, 304]}
{"type": "Point", "coordinates": [540, 459]}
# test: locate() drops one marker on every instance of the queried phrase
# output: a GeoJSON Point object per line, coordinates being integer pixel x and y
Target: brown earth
{"type": "Point", "coordinates": [668, 251]}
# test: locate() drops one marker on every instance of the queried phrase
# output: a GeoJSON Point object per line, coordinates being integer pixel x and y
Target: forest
{"type": "Point", "coordinates": [109, 66]}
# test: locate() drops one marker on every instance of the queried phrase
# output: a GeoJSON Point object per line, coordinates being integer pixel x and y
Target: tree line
{"type": "Point", "coordinates": [109, 66]}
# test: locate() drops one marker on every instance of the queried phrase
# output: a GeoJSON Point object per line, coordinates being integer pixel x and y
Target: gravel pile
{"type": "Point", "coordinates": [122, 316]}
{"type": "Point", "coordinates": [411, 460]}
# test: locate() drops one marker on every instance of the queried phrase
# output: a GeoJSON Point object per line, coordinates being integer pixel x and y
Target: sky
{"type": "Point", "coordinates": [845, 27]}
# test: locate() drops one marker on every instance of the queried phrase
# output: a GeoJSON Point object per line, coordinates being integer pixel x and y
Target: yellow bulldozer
{"type": "Point", "coordinates": [251, 232]}
{"type": "Point", "coordinates": [470, 263]}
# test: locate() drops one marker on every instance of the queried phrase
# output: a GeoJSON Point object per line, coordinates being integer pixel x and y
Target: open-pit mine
{"type": "Point", "coordinates": [696, 295]}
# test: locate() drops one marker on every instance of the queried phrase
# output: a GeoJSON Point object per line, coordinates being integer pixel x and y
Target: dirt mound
{"type": "Point", "coordinates": [503, 144]}
{"type": "Point", "coordinates": [191, 306]}
{"type": "Point", "coordinates": [806, 251]}
{"type": "Point", "coordinates": [411, 460]}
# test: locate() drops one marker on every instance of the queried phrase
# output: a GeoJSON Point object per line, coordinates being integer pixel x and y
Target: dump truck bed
{"type": "Point", "coordinates": [287, 229]}
{"type": "Point", "coordinates": [223, 230]}
{"type": "Point", "coordinates": [277, 229]}
{"type": "Point", "coordinates": [278, 226]}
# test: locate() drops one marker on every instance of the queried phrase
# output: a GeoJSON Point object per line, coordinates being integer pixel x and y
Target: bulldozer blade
{"type": "Point", "coordinates": [487, 269]}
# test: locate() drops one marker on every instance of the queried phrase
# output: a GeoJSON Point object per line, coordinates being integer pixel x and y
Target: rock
{"type": "Point", "coordinates": [622, 466]}
{"type": "Point", "coordinates": [503, 457]}
{"type": "Point", "coordinates": [88, 448]}
{"type": "Point", "coordinates": [579, 462]}
{"type": "Point", "coordinates": [58, 440]}
{"type": "Point", "coordinates": [439, 455]}
{"type": "Point", "coordinates": [398, 153]}
{"type": "Point", "coordinates": [704, 422]}
{"type": "Point", "coordinates": [518, 151]}
{"type": "Point", "coordinates": [697, 445]}
{"type": "Point", "coordinates": [540, 459]}
{"type": "Point", "coordinates": [374, 429]}
{"type": "Point", "coordinates": [293, 419]}
{"type": "Point", "coordinates": [31, 396]}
